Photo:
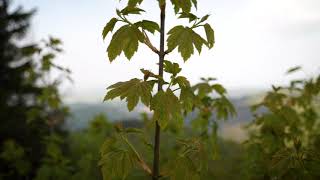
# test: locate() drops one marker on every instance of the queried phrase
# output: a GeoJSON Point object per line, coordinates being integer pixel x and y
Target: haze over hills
{"type": "Point", "coordinates": [82, 113]}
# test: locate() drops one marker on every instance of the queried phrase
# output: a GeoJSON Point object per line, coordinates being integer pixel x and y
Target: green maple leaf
{"type": "Point", "coordinates": [224, 108]}
{"type": "Point", "coordinates": [117, 159]}
{"type": "Point", "coordinates": [134, 3]}
{"type": "Point", "coordinates": [189, 16]}
{"type": "Point", "coordinates": [166, 107]}
{"type": "Point", "coordinates": [210, 35]}
{"type": "Point", "coordinates": [183, 5]}
{"type": "Point", "coordinates": [148, 26]}
{"type": "Point", "coordinates": [133, 91]}
{"type": "Point", "coordinates": [172, 68]}
{"type": "Point", "coordinates": [109, 27]}
{"type": "Point", "coordinates": [185, 39]}
{"type": "Point", "coordinates": [187, 98]}
{"type": "Point", "coordinates": [181, 81]}
{"type": "Point", "coordinates": [126, 39]}
{"type": "Point", "coordinates": [131, 10]}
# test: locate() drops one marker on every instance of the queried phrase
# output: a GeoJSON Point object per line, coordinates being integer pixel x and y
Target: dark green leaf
{"type": "Point", "coordinates": [131, 10]}
{"type": "Point", "coordinates": [294, 69]}
{"type": "Point", "coordinates": [210, 35]}
{"type": "Point", "coordinates": [134, 3]}
{"type": "Point", "coordinates": [109, 27]}
{"type": "Point", "coordinates": [189, 16]}
{"type": "Point", "coordinates": [204, 18]}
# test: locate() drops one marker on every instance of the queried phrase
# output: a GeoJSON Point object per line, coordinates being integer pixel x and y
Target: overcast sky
{"type": "Point", "coordinates": [256, 42]}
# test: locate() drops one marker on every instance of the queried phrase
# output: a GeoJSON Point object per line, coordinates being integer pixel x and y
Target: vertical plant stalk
{"type": "Point", "coordinates": [156, 155]}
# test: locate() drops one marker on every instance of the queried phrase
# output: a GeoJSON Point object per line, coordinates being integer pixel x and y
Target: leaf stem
{"type": "Point", "coordinates": [141, 161]}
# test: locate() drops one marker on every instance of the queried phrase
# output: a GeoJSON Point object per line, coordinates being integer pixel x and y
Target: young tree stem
{"type": "Point", "coordinates": [156, 156]}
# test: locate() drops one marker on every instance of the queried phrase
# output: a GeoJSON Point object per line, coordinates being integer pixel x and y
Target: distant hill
{"type": "Point", "coordinates": [82, 113]}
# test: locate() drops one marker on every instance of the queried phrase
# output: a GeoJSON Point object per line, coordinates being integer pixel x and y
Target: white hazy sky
{"type": "Point", "coordinates": [256, 42]}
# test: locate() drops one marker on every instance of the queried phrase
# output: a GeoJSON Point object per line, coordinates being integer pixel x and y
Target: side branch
{"type": "Point", "coordinates": [167, 51]}
{"type": "Point", "coordinates": [149, 44]}
{"type": "Point", "coordinates": [141, 162]}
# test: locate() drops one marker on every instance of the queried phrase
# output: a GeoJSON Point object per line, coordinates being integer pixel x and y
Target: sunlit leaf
{"type": "Point", "coordinates": [133, 91]}
{"type": "Point", "coordinates": [126, 39]}
{"type": "Point", "coordinates": [185, 39]}
{"type": "Point", "coordinates": [166, 107]}
{"type": "Point", "coordinates": [148, 26]}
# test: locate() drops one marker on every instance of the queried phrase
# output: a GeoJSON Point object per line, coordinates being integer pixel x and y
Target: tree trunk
{"type": "Point", "coordinates": [156, 157]}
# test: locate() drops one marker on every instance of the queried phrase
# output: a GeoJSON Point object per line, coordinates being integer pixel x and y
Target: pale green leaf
{"type": "Point", "coordinates": [148, 26]}
{"type": "Point", "coordinates": [126, 39]}
{"type": "Point", "coordinates": [166, 107]}
{"type": "Point", "coordinates": [219, 89]}
{"type": "Point", "coordinates": [187, 98]}
{"type": "Point", "coordinates": [181, 81]}
{"type": "Point", "coordinates": [172, 68]}
{"type": "Point", "coordinates": [185, 39]}
{"type": "Point", "coordinates": [133, 91]}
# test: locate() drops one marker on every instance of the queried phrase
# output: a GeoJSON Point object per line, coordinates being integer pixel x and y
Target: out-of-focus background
{"type": "Point", "coordinates": [257, 41]}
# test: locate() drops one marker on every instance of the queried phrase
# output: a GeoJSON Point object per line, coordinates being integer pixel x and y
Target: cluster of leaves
{"type": "Point", "coordinates": [14, 155]}
{"type": "Point", "coordinates": [54, 164]}
{"type": "Point", "coordinates": [75, 155]}
{"type": "Point", "coordinates": [127, 38]}
{"type": "Point", "coordinates": [118, 155]}
{"type": "Point", "coordinates": [40, 73]}
{"type": "Point", "coordinates": [169, 107]}
{"type": "Point", "coordinates": [284, 139]}
{"type": "Point", "coordinates": [30, 101]}
{"type": "Point", "coordinates": [173, 100]}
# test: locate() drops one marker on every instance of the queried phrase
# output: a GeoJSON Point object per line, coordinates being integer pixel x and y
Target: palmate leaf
{"type": "Point", "coordinates": [134, 3]}
{"type": "Point", "coordinates": [187, 99]}
{"type": "Point", "coordinates": [190, 161]}
{"type": "Point", "coordinates": [210, 35]}
{"type": "Point", "coordinates": [185, 39]}
{"type": "Point", "coordinates": [126, 39]}
{"type": "Point", "coordinates": [181, 81]}
{"type": "Point", "coordinates": [184, 169]}
{"type": "Point", "coordinates": [166, 107]}
{"type": "Point", "coordinates": [183, 5]}
{"type": "Point", "coordinates": [133, 91]}
{"type": "Point", "coordinates": [117, 160]}
{"type": "Point", "coordinates": [109, 27]}
{"type": "Point", "coordinates": [172, 68]}
{"type": "Point", "coordinates": [148, 26]}
{"type": "Point", "coordinates": [224, 108]}
{"type": "Point", "coordinates": [189, 16]}
{"type": "Point", "coordinates": [131, 10]}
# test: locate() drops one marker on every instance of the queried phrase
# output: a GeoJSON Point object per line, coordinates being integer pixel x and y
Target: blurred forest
{"type": "Point", "coordinates": [36, 142]}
